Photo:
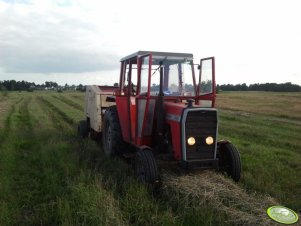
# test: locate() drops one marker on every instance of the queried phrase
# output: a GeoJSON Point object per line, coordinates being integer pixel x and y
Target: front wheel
{"type": "Point", "coordinates": [229, 160]}
{"type": "Point", "coordinates": [146, 166]}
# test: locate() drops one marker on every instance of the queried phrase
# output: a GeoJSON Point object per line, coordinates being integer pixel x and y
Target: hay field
{"type": "Point", "coordinates": [266, 127]}
{"type": "Point", "coordinates": [50, 177]}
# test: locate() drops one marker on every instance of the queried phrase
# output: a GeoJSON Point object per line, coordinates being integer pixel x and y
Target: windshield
{"type": "Point", "coordinates": [177, 76]}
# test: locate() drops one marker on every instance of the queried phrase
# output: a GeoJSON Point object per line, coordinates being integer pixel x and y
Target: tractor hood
{"type": "Point", "coordinates": [194, 121]}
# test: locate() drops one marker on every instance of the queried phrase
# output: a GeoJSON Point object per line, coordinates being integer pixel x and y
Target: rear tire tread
{"type": "Point", "coordinates": [111, 117]}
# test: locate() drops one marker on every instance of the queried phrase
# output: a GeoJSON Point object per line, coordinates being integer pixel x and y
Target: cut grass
{"type": "Point", "coordinates": [41, 181]}
{"type": "Point", "coordinates": [57, 110]}
{"type": "Point", "coordinates": [282, 105]}
{"type": "Point", "coordinates": [6, 129]}
{"type": "Point", "coordinates": [6, 103]}
{"type": "Point", "coordinates": [50, 177]}
{"type": "Point", "coordinates": [12, 151]}
{"type": "Point", "coordinates": [216, 199]}
{"type": "Point", "coordinates": [269, 145]}
{"type": "Point", "coordinates": [47, 180]}
{"type": "Point", "coordinates": [69, 102]}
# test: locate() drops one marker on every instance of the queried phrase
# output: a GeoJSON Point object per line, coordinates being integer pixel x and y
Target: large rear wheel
{"type": "Point", "coordinates": [146, 166]}
{"type": "Point", "coordinates": [112, 140]}
{"type": "Point", "coordinates": [229, 160]}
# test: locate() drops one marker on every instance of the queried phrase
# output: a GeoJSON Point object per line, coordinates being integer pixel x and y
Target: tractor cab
{"type": "Point", "coordinates": [150, 79]}
{"type": "Point", "coordinates": [165, 111]}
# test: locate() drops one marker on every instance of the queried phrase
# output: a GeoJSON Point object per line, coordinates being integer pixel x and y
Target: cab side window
{"type": "Point", "coordinates": [130, 79]}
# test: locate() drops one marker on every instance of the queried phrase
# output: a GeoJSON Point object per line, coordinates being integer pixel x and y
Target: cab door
{"type": "Point", "coordinates": [206, 87]}
{"type": "Point", "coordinates": [145, 113]}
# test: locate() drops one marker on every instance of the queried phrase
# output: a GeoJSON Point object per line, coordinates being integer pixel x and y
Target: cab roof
{"type": "Point", "coordinates": [162, 54]}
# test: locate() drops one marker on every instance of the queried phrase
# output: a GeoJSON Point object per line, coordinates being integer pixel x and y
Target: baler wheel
{"type": "Point", "coordinates": [146, 166]}
{"type": "Point", "coordinates": [229, 160]}
{"type": "Point", "coordinates": [112, 140]}
{"type": "Point", "coordinates": [82, 129]}
{"type": "Point", "coordinates": [95, 135]}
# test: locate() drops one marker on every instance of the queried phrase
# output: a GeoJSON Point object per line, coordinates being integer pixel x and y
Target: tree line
{"type": "Point", "coordinates": [13, 85]}
{"type": "Point", "coordinates": [272, 87]}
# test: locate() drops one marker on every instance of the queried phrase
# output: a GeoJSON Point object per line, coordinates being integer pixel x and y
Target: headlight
{"type": "Point", "coordinates": [191, 141]}
{"type": "Point", "coordinates": [209, 140]}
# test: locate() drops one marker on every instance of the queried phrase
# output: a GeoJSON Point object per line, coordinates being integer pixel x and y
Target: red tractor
{"type": "Point", "coordinates": [162, 112]}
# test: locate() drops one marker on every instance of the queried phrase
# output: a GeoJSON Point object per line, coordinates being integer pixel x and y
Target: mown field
{"type": "Point", "coordinates": [48, 176]}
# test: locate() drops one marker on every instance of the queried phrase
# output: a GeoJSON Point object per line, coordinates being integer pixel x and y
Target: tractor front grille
{"type": "Point", "coordinates": [200, 124]}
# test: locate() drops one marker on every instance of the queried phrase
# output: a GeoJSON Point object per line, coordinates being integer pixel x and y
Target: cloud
{"type": "Point", "coordinates": [58, 40]}
{"type": "Point", "coordinates": [27, 60]}
{"type": "Point", "coordinates": [68, 38]}
{"type": "Point", "coordinates": [18, 1]}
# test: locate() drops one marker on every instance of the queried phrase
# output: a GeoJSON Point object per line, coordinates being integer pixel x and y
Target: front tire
{"type": "Point", "coordinates": [112, 140]}
{"type": "Point", "coordinates": [229, 160]}
{"type": "Point", "coordinates": [146, 166]}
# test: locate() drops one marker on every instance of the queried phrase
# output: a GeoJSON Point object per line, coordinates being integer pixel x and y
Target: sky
{"type": "Point", "coordinates": [82, 41]}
